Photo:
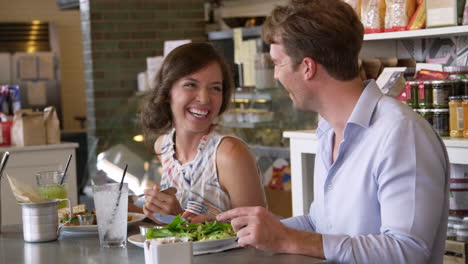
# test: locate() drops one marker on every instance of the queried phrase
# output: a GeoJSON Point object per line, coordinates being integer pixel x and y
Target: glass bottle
{"type": "Point", "coordinates": [456, 116]}
{"type": "Point", "coordinates": [412, 94]}
{"type": "Point", "coordinates": [464, 87]}
{"type": "Point", "coordinates": [465, 115]}
{"type": "Point", "coordinates": [425, 95]}
{"type": "Point", "coordinates": [440, 93]}
{"type": "Point", "coordinates": [441, 122]}
{"type": "Point", "coordinates": [457, 87]}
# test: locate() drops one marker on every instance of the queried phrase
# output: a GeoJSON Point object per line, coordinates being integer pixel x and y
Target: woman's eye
{"type": "Point", "coordinates": [189, 85]}
{"type": "Point", "coordinates": [218, 88]}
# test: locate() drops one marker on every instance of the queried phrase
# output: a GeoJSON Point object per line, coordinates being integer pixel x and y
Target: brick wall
{"type": "Point", "coordinates": [118, 35]}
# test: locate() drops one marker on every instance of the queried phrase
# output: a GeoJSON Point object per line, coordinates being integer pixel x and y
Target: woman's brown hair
{"type": "Point", "coordinates": [156, 116]}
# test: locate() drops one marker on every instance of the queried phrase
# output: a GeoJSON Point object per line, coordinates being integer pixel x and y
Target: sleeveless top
{"type": "Point", "coordinates": [196, 180]}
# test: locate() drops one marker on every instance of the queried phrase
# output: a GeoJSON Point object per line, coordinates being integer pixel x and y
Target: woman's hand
{"type": "Point", "coordinates": [158, 202]}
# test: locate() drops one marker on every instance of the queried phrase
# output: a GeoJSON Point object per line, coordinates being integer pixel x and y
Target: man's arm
{"type": "Point", "coordinates": [257, 227]}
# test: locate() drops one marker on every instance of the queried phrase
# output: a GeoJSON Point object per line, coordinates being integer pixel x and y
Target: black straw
{"type": "Point", "coordinates": [111, 221]}
{"type": "Point", "coordinates": [3, 163]}
{"type": "Point", "coordinates": [123, 177]}
{"type": "Point", "coordinates": [66, 168]}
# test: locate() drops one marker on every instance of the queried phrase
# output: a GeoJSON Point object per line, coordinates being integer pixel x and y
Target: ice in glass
{"type": "Point", "coordinates": [111, 212]}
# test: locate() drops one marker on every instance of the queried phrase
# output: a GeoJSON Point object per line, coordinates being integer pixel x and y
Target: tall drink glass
{"type": "Point", "coordinates": [48, 183]}
{"type": "Point", "coordinates": [111, 212]}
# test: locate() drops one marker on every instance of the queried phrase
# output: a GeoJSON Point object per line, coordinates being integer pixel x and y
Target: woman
{"type": "Point", "coordinates": [194, 87]}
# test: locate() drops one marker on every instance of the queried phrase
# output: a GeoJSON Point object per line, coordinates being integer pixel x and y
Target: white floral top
{"type": "Point", "coordinates": [196, 180]}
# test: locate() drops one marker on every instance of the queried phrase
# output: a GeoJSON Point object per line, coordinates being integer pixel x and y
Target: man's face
{"type": "Point", "coordinates": [287, 76]}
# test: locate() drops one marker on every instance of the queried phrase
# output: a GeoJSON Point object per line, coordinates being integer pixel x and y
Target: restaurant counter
{"type": "Point", "coordinates": [85, 249]}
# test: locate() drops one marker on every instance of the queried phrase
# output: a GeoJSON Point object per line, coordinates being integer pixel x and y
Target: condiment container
{"type": "Point", "coordinates": [461, 232]}
{"type": "Point", "coordinates": [440, 93]}
{"type": "Point", "coordinates": [451, 232]}
{"type": "Point", "coordinates": [465, 115]}
{"type": "Point", "coordinates": [456, 116]}
{"type": "Point", "coordinates": [425, 95]}
{"type": "Point", "coordinates": [412, 88]}
{"type": "Point", "coordinates": [145, 228]}
{"type": "Point", "coordinates": [458, 198]}
{"type": "Point", "coordinates": [168, 250]}
{"type": "Point", "coordinates": [441, 122]}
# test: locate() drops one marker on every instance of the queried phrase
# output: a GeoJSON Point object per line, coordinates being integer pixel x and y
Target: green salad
{"type": "Point", "coordinates": [194, 232]}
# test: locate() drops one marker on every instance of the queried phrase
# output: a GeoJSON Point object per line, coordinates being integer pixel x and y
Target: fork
{"type": "Point", "coordinates": [198, 208]}
{"type": "Point", "coordinates": [139, 200]}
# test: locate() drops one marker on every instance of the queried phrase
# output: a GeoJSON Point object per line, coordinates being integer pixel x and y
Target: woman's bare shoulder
{"type": "Point", "coordinates": [232, 148]}
{"type": "Point", "coordinates": [157, 146]}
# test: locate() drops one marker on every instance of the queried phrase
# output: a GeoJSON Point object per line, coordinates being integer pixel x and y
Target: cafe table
{"type": "Point", "coordinates": [85, 249]}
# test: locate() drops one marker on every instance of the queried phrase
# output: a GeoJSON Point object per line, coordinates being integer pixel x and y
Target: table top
{"type": "Point", "coordinates": [86, 249]}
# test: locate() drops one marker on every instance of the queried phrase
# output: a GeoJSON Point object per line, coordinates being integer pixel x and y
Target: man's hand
{"type": "Point", "coordinates": [256, 227]}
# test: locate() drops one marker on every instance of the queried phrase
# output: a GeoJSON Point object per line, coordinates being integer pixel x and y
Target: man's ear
{"type": "Point", "coordinates": [309, 68]}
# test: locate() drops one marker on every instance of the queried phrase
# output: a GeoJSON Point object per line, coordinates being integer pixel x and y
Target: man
{"type": "Point", "coordinates": [381, 171]}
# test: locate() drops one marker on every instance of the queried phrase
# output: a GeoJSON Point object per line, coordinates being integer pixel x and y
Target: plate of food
{"type": "Point", "coordinates": [74, 225]}
{"type": "Point", "coordinates": [206, 238]}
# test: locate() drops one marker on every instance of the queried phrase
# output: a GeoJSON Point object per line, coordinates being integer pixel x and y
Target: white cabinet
{"type": "Point", "coordinates": [23, 163]}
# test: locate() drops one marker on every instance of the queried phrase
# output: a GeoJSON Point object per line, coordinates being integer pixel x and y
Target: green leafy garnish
{"type": "Point", "coordinates": [194, 232]}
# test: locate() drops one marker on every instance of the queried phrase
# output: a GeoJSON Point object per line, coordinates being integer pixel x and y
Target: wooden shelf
{"type": "Point", "coordinates": [456, 252]}
{"type": "Point", "coordinates": [422, 33]}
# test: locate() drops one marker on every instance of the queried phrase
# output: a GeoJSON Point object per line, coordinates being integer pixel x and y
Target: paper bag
{"type": "Point", "coordinates": [28, 128]}
{"type": "Point", "coordinates": [52, 125]}
{"type": "Point", "coordinates": [23, 192]}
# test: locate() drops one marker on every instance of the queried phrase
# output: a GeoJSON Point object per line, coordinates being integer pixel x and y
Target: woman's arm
{"type": "Point", "coordinates": [157, 202]}
{"type": "Point", "coordinates": [238, 174]}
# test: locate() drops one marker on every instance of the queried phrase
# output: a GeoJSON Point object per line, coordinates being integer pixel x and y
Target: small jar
{"type": "Point", "coordinates": [456, 116]}
{"type": "Point", "coordinates": [440, 94]}
{"type": "Point", "coordinates": [427, 114]}
{"type": "Point", "coordinates": [465, 115]}
{"type": "Point", "coordinates": [425, 95]}
{"type": "Point", "coordinates": [461, 232]}
{"type": "Point", "coordinates": [441, 122]}
{"type": "Point", "coordinates": [412, 88]}
{"type": "Point", "coordinates": [464, 87]}
{"type": "Point", "coordinates": [457, 88]}
{"type": "Point", "coordinates": [451, 232]}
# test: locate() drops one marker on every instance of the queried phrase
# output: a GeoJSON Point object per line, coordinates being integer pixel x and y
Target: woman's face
{"type": "Point", "coordinates": [196, 99]}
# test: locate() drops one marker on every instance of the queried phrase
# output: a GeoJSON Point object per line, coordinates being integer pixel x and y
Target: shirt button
{"type": "Point", "coordinates": [330, 227]}
{"type": "Point", "coordinates": [330, 187]}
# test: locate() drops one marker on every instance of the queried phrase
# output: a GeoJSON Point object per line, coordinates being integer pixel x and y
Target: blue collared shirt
{"type": "Point", "coordinates": [385, 198]}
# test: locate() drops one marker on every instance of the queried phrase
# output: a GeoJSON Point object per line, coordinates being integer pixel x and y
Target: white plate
{"type": "Point", "coordinates": [92, 229]}
{"type": "Point", "coordinates": [200, 247]}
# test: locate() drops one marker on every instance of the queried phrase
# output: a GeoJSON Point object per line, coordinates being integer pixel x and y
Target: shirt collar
{"type": "Point", "coordinates": [363, 110]}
